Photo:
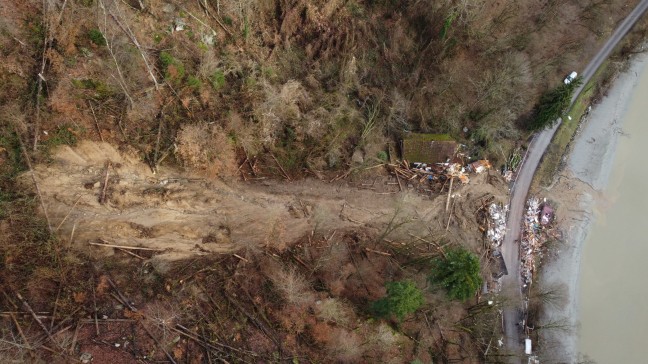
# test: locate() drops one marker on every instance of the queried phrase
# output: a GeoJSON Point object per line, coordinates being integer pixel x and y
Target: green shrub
{"type": "Point", "coordinates": [356, 9]}
{"type": "Point", "coordinates": [86, 3]}
{"type": "Point", "coordinates": [193, 82]}
{"type": "Point", "coordinates": [217, 79]}
{"type": "Point", "coordinates": [62, 135]}
{"type": "Point", "coordinates": [458, 273]}
{"type": "Point", "coordinates": [447, 24]}
{"type": "Point", "coordinates": [403, 298]}
{"type": "Point", "coordinates": [382, 155]}
{"type": "Point", "coordinates": [166, 59]}
{"type": "Point", "coordinates": [13, 163]}
{"type": "Point", "coordinates": [97, 37]}
{"type": "Point", "coordinates": [246, 27]}
{"type": "Point", "coordinates": [173, 69]}
{"type": "Point", "coordinates": [101, 91]}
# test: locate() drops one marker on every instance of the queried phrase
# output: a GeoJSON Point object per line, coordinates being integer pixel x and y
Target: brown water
{"type": "Point", "coordinates": [614, 267]}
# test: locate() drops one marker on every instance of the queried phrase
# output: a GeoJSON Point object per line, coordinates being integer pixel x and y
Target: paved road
{"type": "Point", "coordinates": [512, 282]}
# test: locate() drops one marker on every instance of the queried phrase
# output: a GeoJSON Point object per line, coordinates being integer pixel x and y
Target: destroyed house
{"type": "Point", "coordinates": [546, 214]}
{"type": "Point", "coordinates": [428, 148]}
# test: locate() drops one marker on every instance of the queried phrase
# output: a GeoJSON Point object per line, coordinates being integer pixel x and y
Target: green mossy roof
{"type": "Point", "coordinates": [428, 148]}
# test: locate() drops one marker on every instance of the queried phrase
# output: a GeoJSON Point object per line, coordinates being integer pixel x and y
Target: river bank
{"type": "Point", "coordinates": [578, 189]}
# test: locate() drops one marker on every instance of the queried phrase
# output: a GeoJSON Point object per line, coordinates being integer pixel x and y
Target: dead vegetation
{"type": "Point", "coordinates": [160, 254]}
{"type": "Point", "coordinates": [311, 82]}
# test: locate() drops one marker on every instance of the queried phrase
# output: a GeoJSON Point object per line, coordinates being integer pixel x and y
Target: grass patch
{"type": "Point", "coordinates": [62, 135]}
{"type": "Point", "coordinates": [551, 161]}
{"type": "Point", "coordinates": [11, 156]}
{"type": "Point", "coordinates": [96, 89]}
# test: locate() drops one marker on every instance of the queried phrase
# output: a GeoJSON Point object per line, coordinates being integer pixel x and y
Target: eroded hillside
{"type": "Point", "coordinates": [200, 181]}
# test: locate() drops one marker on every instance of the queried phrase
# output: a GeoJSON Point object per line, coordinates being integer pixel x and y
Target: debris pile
{"type": "Point", "coordinates": [509, 172]}
{"type": "Point", "coordinates": [479, 166]}
{"type": "Point", "coordinates": [496, 224]}
{"type": "Point", "coordinates": [547, 215]}
{"type": "Point", "coordinates": [434, 177]}
{"type": "Point", "coordinates": [491, 217]}
{"type": "Point", "coordinates": [531, 242]}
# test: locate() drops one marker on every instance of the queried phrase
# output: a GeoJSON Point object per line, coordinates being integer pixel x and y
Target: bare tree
{"type": "Point", "coordinates": [113, 10]}
{"type": "Point", "coordinates": [552, 295]}
{"type": "Point", "coordinates": [109, 36]}
{"type": "Point", "coordinates": [292, 285]}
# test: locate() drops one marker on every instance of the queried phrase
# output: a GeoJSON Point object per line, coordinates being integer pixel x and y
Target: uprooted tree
{"type": "Point", "coordinates": [458, 273]}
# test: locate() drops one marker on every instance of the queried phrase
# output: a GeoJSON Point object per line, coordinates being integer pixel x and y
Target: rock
{"type": "Point", "coordinates": [85, 357]}
{"type": "Point", "coordinates": [208, 39]}
{"type": "Point", "coordinates": [358, 156]}
{"type": "Point", "coordinates": [333, 160]}
{"type": "Point", "coordinates": [179, 24]}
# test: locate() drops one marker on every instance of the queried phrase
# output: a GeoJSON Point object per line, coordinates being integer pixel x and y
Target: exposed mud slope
{"type": "Point", "coordinates": [189, 216]}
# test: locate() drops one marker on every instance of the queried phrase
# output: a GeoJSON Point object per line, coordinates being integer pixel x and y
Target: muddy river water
{"type": "Point", "coordinates": [614, 267]}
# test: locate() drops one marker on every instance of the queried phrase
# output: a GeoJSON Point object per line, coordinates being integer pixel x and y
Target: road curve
{"type": "Point", "coordinates": [537, 147]}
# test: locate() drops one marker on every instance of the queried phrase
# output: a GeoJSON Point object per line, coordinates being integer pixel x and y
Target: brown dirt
{"type": "Point", "coordinates": [192, 216]}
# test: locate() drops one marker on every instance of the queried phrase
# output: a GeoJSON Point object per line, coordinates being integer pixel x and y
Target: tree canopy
{"type": "Point", "coordinates": [553, 105]}
{"type": "Point", "coordinates": [458, 273]}
{"type": "Point", "coordinates": [403, 298]}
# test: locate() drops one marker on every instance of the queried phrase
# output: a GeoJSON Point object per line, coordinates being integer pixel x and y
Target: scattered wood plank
{"type": "Point", "coordinates": [104, 189]}
{"type": "Point", "coordinates": [131, 253]}
{"type": "Point", "coordinates": [107, 245]}
{"type": "Point", "coordinates": [126, 29]}
{"type": "Point", "coordinates": [241, 258]}
{"type": "Point", "coordinates": [450, 214]}
{"type": "Point", "coordinates": [37, 319]}
{"type": "Point", "coordinates": [94, 304]}
{"type": "Point", "coordinates": [378, 252]}
{"type": "Point", "coordinates": [120, 295]}
{"type": "Point", "coordinates": [242, 164]}
{"type": "Point", "coordinates": [68, 214]}
{"type": "Point", "coordinates": [157, 342]}
{"type": "Point", "coordinates": [74, 338]}
{"type": "Point", "coordinates": [20, 331]}
{"type": "Point", "coordinates": [283, 171]}
{"type": "Point", "coordinates": [400, 186]}
{"type": "Point", "coordinates": [32, 173]}
{"type": "Point", "coordinates": [96, 122]}
{"type": "Point", "coordinates": [449, 194]}
{"type": "Point", "coordinates": [215, 345]}
{"type": "Point", "coordinates": [104, 321]}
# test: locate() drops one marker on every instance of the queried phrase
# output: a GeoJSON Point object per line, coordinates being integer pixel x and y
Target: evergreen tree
{"type": "Point", "coordinates": [553, 105]}
{"type": "Point", "coordinates": [402, 299]}
{"type": "Point", "coordinates": [458, 273]}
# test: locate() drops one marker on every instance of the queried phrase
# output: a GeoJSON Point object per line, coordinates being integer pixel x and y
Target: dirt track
{"type": "Point", "coordinates": [187, 216]}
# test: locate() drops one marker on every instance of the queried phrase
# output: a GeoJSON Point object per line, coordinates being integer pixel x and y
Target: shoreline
{"type": "Point", "coordinates": [580, 185]}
